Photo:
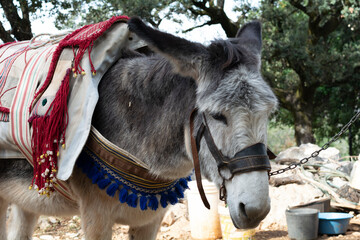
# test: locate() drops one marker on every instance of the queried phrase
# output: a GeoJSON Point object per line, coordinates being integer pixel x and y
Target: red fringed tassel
{"type": "Point", "coordinates": [4, 110]}
{"type": "Point", "coordinates": [48, 135]}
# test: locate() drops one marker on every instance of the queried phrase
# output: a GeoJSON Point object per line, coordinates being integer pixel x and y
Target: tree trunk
{"type": "Point", "coordinates": [350, 141]}
{"type": "Point", "coordinates": [302, 110]}
{"type": "Point", "coordinates": [300, 102]}
{"type": "Point", "coordinates": [303, 128]}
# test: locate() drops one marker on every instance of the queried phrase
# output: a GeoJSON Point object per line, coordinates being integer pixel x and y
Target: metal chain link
{"type": "Point", "coordinates": [324, 147]}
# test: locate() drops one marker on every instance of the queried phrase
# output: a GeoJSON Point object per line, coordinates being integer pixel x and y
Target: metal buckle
{"type": "Point", "coordinates": [222, 192]}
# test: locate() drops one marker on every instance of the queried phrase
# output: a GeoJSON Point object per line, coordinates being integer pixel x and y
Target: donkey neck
{"type": "Point", "coordinates": [143, 108]}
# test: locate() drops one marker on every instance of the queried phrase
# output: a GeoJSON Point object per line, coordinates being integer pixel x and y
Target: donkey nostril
{"type": "Point", "coordinates": [242, 209]}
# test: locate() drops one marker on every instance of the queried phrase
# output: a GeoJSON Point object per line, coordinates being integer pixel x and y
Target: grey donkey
{"type": "Point", "coordinates": [144, 107]}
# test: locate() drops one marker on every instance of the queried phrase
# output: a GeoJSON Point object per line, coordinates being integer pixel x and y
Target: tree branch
{"type": "Point", "coordinates": [197, 12]}
{"type": "Point", "coordinates": [221, 4]}
{"type": "Point", "coordinates": [297, 4]}
{"type": "Point", "coordinates": [21, 28]}
{"type": "Point", "coordinates": [5, 35]}
{"type": "Point", "coordinates": [218, 15]}
{"type": "Point", "coordinates": [24, 9]}
{"type": "Point", "coordinates": [199, 26]}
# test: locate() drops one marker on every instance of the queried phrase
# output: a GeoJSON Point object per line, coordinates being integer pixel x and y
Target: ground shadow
{"type": "Point", "coordinates": [354, 227]}
{"type": "Point", "coordinates": [272, 234]}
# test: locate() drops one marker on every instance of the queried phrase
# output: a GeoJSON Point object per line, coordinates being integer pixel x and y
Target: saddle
{"type": "Point", "coordinates": [48, 93]}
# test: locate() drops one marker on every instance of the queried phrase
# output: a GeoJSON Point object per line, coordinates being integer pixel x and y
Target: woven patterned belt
{"type": "Point", "coordinates": [122, 174]}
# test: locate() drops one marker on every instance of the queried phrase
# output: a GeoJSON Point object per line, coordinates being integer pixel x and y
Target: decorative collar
{"type": "Point", "coordinates": [122, 174]}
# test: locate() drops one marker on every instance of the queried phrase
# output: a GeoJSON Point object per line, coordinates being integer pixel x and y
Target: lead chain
{"type": "Point", "coordinates": [317, 152]}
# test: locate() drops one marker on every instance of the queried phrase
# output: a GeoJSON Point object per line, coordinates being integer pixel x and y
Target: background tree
{"type": "Point", "coordinates": [75, 13]}
{"type": "Point", "coordinates": [311, 46]}
{"type": "Point", "coordinates": [310, 57]}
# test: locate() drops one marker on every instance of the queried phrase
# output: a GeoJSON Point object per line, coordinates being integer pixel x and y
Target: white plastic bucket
{"type": "Point", "coordinates": [229, 231]}
{"type": "Point", "coordinates": [204, 223]}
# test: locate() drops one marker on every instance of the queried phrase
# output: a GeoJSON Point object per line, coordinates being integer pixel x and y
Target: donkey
{"type": "Point", "coordinates": [144, 107]}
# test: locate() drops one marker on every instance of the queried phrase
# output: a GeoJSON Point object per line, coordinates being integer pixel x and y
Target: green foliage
{"type": "Point", "coordinates": [311, 59]}
{"type": "Point", "coordinates": [280, 137]}
{"type": "Point", "coordinates": [75, 13]}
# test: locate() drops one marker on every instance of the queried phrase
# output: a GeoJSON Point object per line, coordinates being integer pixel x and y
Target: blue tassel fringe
{"type": "Point", "coordinates": [153, 203]}
{"type": "Point", "coordinates": [163, 200]}
{"type": "Point", "coordinates": [132, 200]}
{"type": "Point", "coordinates": [143, 203]}
{"type": "Point", "coordinates": [111, 190]}
{"type": "Point", "coordinates": [123, 195]}
{"type": "Point", "coordinates": [104, 183]}
{"type": "Point", "coordinates": [128, 195]}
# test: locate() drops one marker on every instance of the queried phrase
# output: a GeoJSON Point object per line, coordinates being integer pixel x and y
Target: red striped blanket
{"type": "Point", "coordinates": [38, 119]}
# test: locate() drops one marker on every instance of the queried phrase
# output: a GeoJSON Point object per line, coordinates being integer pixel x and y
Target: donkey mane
{"type": "Point", "coordinates": [229, 54]}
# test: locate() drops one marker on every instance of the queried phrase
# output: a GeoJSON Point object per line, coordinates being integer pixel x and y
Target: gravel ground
{"type": "Point", "coordinates": [175, 227]}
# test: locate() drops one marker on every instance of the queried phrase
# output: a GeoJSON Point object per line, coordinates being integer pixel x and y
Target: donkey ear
{"type": "Point", "coordinates": [250, 35]}
{"type": "Point", "coordinates": [185, 56]}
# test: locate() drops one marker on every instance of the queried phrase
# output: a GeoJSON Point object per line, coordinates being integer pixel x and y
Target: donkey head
{"type": "Point", "coordinates": [235, 102]}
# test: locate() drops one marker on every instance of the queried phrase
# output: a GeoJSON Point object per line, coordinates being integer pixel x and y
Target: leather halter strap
{"type": "Point", "coordinates": [194, 151]}
{"type": "Point", "coordinates": [252, 158]}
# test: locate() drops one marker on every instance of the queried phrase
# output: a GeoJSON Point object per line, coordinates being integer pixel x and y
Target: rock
{"type": "Point", "coordinates": [169, 218]}
{"type": "Point", "coordinates": [73, 226]}
{"type": "Point", "coordinates": [349, 193]}
{"type": "Point", "coordinates": [164, 229]}
{"type": "Point", "coordinates": [305, 150]}
{"type": "Point", "coordinates": [46, 237]}
{"type": "Point", "coordinates": [44, 223]}
{"type": "Point", "coordinates": [308, 174]}
{"type": "Point", "coordinates": [355, 228]}
{"type": "Point", "coordinates": [286, 196]}
{"type": "Point", "coordinates": [346, 167]}
{"type": "Point", "coordinates": [338, 182]}
{"type": "Point", "coordinates": [53, 220]}
{"type": "Point", "coordinates": [331, 153]}
{"type": "Point", "coordinates": [72, 235]}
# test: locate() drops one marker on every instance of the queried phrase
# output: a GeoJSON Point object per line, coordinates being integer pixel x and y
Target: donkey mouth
{"type": "Point", "coordinates": [246, 219]}
{"type": "Point", "coordinates": [245, 223]}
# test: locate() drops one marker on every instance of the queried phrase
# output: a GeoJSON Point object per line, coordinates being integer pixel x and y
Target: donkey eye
{"type": "Point", "coordinates": [219, 117]}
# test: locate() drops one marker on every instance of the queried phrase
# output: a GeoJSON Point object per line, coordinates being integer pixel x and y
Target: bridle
{"type": "Point", "coordinates": [253, 158]}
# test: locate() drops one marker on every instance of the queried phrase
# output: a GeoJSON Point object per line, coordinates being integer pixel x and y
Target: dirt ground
{"type": "Point", "coordinates": [174, 227]}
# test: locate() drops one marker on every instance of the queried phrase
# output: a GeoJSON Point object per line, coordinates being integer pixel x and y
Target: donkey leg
{"type": "Point", "coordinates": [146, 232]}
{"type": "Point", "coordinates": [3, 209]}
{"type": "Point", "coordinates": [96, 226]}
{"type": "Point", "coordinates": [22, 224]}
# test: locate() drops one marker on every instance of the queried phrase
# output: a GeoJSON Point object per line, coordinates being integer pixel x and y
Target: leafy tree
{"type": "Point", "coordinates": [75, 13]}
{"type": "Point", "coordinates": [311, 46]}
{"type": "Point", "coordinates": [71, 14]}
